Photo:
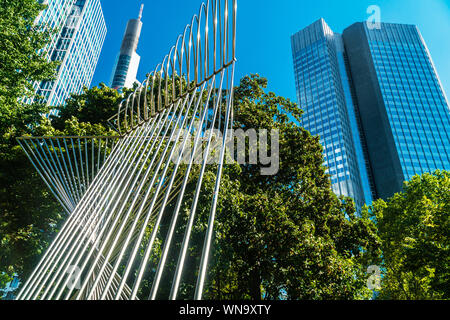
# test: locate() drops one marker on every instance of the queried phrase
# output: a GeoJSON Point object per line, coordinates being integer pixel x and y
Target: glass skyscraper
{"type": "Point", "coordinates": [324, 93]}
{"type": "Point", "coordinates": [404, 110]}
{"type": "Point", "coordinates": [81, 33]}
{"type": "Point", "coordinates": [397, 113]}
{"type": "Point", "coordinates": [127, 64]}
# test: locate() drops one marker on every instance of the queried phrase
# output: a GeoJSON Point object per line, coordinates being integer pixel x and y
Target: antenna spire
{"type": "Point", "coordinates": [140, 12]}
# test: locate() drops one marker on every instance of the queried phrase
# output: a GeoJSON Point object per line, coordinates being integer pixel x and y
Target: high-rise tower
{"type": "Point", "coordinates": [403, 108]}
{"type": "Point", "coordinates": [375, 99]}
{"type": "Point", "coordinates": [324, 93]}
{"type": "Point", "coordinates": [126, 67]}
{"type": "Point", "coordinates": [82, 31]}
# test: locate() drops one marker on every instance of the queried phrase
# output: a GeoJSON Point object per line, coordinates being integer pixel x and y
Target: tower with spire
{"type": "Point", "coordinates": [127, 64]}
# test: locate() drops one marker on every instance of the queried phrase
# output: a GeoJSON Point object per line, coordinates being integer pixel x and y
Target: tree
{"type": "Point", "coordinates": [22, 62]}
{"type": "Point", "coordinates": [4, 280]}
{"type": "Point", "coordinates": [282, 236]}
{"type": "Point", "coordinates": [414, 228]}
{"type": "Point", "coordinates": [287, 235]}
{"type": "Point", "coordinates": [94, 106]}
{"type": "Point", "coordinates": [27, 211]}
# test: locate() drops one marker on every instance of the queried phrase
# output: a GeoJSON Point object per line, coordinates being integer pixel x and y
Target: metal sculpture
{"type": "Point", "coordinates": [68, 165]}
{"type": "Point", "coordinates": [121, 234]}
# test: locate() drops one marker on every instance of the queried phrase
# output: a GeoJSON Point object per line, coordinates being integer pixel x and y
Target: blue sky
{"type": "Point", "coordinates": [264, 30]}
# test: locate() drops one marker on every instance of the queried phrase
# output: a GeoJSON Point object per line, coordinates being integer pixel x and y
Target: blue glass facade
{"type": "Point", "coordinates": [324, 93]}
{"type": "Point", "coordinates": [77, 46]}
{"type": "Point", "coordinates": [416, 105]}
{"type": "Point", "coordinates": [121, 72]}
{"type": "Point", "coordinates": [127, 64]}
{"type": "Point", "coordinates": [403, 109]}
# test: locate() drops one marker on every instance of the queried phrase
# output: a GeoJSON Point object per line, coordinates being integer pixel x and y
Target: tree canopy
{"type": "Point", "coordinates": [414, 227]}
{"type": "Point", "coordinates": [27, 210]}
{"type": "Point", "coordinates": [286, 235]}
{"type": "Point", "coordinates": [22, 62]}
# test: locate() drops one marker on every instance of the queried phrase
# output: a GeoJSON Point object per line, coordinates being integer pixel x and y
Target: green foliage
{"type": "Point", "coordinates": [22, 62]}
{"type": "Point", "coordinates": [414, 227]}
{"type": "Point", "coordinates": [4, 280]}
{"type": "Point", "coordinates": [287, 235]}
{"type": "Point", "coordinates": [94, 106]}
{"type": "Point", "coordinates": [27, 211]}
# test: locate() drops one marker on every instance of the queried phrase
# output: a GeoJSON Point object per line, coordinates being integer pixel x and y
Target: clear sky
{"type": "Point", "coordinates": [264, 31]}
